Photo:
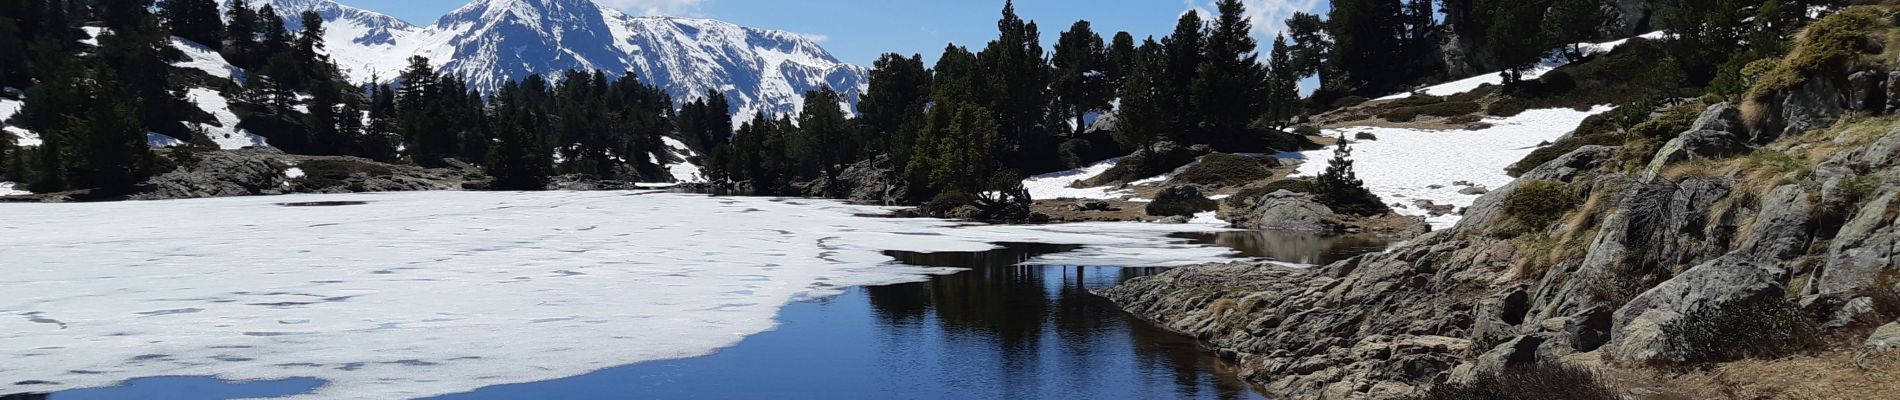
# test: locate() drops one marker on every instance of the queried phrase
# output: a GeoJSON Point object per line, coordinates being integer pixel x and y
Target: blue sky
{"type": "Point", "coordinates": [857, 31]}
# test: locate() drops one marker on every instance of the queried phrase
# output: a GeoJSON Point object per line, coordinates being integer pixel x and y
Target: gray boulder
{"type": "Point", "coordinates": [1364, 136]}
{"type": "Point", "coordinates": [1863, 250]}
{"type": "Point", "coordinates": [1638, 333]}
{"type": "Point", "coordinates": [1288, 211]}
{"type": "Point", "coordinates": [1702, 144]}
{"type": "Point", "coordinates": [1813, 104]}
{"type": "Point", "coordinates": [1183, 200]}
{"type": "Point", "coordinates": [1721, 117]}
{"type": "Point", "coordinates": [1092, 205]}
{"type": "Point", "coordinates": [1886, 338]}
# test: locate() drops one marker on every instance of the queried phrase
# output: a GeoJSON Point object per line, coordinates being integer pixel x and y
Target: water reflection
{"type": "Point", "coordinates": [999, 330]}
{"type": "Point", "coordinates": [1292, 247]}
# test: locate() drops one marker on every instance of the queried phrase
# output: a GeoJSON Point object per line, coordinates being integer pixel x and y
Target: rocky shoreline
{"type": "Point", "coordinates": [1695, 256]}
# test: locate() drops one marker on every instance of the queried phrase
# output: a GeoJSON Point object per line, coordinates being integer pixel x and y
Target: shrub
{"type": "Point", "coordinates": [1448, 109]}
{"type": "Point", "coordinates": [1533, 381]}
{"type": "Point", "coordinates": [1671, 122]}
{"type": "Point", "coordinates": [1763, 329]}
{"type": "Point", "coordinates": [1221, 169]}
{"type": "Point", "coordinates": [1538, 204]}
{"type": "Point", "coordinates": [1848, 40]}
{"type": "Point", "coordinates": [1485, 90]}
{"type": "Point", "coordinates": [1508, 107]}
{"type": "Point", "coordinates": [1415, 100]}
{"type": "Point", "coordinates": [948, 201]}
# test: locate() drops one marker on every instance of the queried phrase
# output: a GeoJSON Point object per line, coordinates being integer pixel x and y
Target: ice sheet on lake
{"type": "Point", "coordinates": [1405, 165]}
{"type": "Point", "coordinates": [415, 294]}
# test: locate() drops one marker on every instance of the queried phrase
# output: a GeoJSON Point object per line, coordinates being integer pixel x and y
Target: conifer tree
{"type": "Point", "coordinates": [1018, 90]}
{"type": "Point", "coordinates": [1186, 50]}
{"type": "Point", "coordinates": [1229, 90]}
{"type": "Point", "coordinates": [194, 20]}
{"type": "Point", "coordinates": [1367, 43]}
{"type": "Point", "coordinates": [892, 107]}
{"type": "Point", "coordinates": [1340, 186]}
{"type": "Point", "coordinates": [1121, 57]}
{"type": "Point", "coordinates": [241, 34]}
{"type": "Point", "coordinates": [1283, 89]}
{"type": "Point", "coordinates": [823, 127]}
{"type": "Point", "coordinates": [1143, 118]}
{"type": "Point", "coordinates": [1570, 22]}
{"type": "Point", "coordinates": [310, 44]}
{"type": "Point", "coordinates": [1082, 80]}
{"type": "Point", "coordinates": [276, 36]}
{"type": "Point", "coordinates": [114, 155]}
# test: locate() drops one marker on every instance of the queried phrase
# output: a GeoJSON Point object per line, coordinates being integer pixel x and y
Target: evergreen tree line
{"type": "Point", "coordinates": [973, 123]}
{"type": "Point", "coordinates": [93, 112]}
{"type": "Point", "coordinates": [94, 105]}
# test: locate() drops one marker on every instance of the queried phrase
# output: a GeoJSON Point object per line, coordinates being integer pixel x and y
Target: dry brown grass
{"type": "Point", "coordinates": [1825, 376]}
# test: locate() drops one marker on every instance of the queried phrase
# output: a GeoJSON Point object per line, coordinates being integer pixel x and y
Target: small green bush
{"type": "Point", "coordinates": [1538, 204]}
{"type": "Point", "coordinates": [1761, 329]}
{"type": "Point", "coordinates": [1485, 90]}
{"type": "Point", "coordinates": [1221, 169]}
{"type": "Point", "coordinates": [1446, 109]}
{"type": "Point", "coordinates": [1508, 107]}
{"type": "Point", "coordinates": [1671, 122]}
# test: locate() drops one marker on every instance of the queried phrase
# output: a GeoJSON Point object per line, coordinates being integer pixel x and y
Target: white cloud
{"type": "Point", "coordinates": [656, 7]}
{"type": "Point", "coordinates": [1269, 16]}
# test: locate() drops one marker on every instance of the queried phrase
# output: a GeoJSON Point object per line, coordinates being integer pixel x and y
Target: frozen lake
{"type": "Point", "coordinates": [408, 295]}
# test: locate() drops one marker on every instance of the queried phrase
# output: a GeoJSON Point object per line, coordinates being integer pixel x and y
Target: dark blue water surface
{"type": "Point", "coordinates": [996, 331]}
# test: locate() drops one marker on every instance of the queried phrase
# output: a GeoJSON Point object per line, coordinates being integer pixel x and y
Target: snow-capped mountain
{"type": "Point", "coordinates": [490, 42]}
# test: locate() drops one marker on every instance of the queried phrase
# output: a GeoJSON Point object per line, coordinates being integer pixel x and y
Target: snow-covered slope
{"type": "Point", "coordinates": [1549, 63]}
{"type": "Point", "coordinates": [1406, 165]}
{"type": "Point", "coordinates": [492, 41]}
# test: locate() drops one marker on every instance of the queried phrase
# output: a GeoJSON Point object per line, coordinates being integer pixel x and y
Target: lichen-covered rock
{"type": "Point", "coordinates": [1813, 104]}
{"type": "Point", "coordinates": [1721, 117]}
{"type": "Point", "coordinates": [1287, 211]}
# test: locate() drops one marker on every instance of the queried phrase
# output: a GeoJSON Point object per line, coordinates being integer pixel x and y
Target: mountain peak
{"type": "Point", "coordinates": [489, 42]}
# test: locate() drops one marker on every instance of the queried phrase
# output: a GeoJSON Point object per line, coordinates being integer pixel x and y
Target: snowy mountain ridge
{"type": "Point", "coordinates": [489, 42]}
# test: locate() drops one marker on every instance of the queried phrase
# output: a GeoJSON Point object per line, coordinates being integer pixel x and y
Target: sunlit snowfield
{"type": "Point", "coordinates": [415, 294]}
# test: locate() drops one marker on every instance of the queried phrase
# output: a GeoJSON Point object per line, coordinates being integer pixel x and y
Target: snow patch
{"type": "Point", "coordinates": [293, 173]}
{"type": "Point", "coordinates": [202, 58]}
{"type": "Point", "coordinates": [685, 171]}
{"type": "Point", "coordinates": [1405, 165]}
{"type": "Point", "coordinates": [224, 132]}
{"type": "Point", "coordinates": [12, 189]}
{"type": "Point", "coordinates": [1548, 64]}
{"type": "Point", "coordinates": [423, 293]}
{"type": "Point", "coordinates": [1056, 185]}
